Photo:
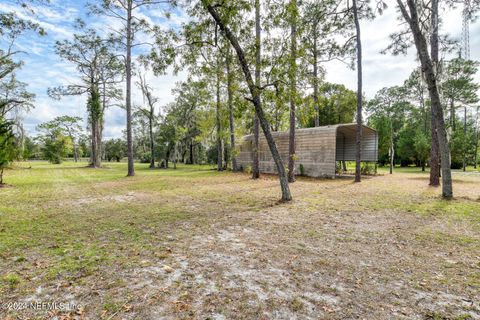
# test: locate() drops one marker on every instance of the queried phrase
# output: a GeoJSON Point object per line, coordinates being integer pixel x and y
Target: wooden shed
{"type": "Point", "coordinates": [317, 149]}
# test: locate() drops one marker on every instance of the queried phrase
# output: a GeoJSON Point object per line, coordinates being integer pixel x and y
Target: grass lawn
{"type": "Point", "coordinates": [195, 243]}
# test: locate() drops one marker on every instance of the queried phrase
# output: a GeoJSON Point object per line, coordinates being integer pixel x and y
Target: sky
{"type": "Point", "coordinates": [44, 69]}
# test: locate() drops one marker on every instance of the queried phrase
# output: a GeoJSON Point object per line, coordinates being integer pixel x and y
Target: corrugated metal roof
{"type": "Point", "coordinates": [333, 128]}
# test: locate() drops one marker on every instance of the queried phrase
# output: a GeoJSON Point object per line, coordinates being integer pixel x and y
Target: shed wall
{"type": "Point", "coordinates": [317, 149]}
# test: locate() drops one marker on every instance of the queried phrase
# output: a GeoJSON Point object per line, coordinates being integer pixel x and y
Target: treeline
{"type": "Point", "coordinates": [181, 133]}
{"type": "Point", "coordinates": [254, 67]}
{"type": "Point", "coordinates": [402, 116]}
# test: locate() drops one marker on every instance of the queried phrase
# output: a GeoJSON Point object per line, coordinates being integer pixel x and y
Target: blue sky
{"type": "Point", "coordinates": [43, 69]}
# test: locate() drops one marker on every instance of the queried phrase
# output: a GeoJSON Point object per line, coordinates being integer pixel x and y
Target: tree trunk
{"type": "Point", "coordinates": [255, 92]}
{"type": "Point", "coordinates": [75, 149]}
{"type": "Point", "coordinates": [464, 138]}
{"type": "Point", "coordinates": [434, 156]}
{"type": "Point", "coordinates": [392, 156]}
{"type": "Point", "coordinates": [225, 154]}
{"type": "Point", "coordinates": [358, 133]}
{"type": "Point", "coordinates": [191, 151]}
{"type": "Point", "coordinates": [452, 115]}
{"type": "Point", "coordinates": [98, 152]}
{"type": "Point", "coordinates": [92, 136]}
{"type": "Point", "coordinates": [428, 70]}
{"type": "Point", "coordinates": [1, 175]}
{"type": "Point", "coordinates": [435, 149]}
{"type": "Point", "coordinates": [128, 101]}
{"type": "Point", "coordinates": [316, 104]}
{"type": "Point", "coordinates": [94, 150]}
{"type": "Point", "coordinates": [152, 143]}
{"type": "Point", "coordinates": [151, 116]}
{"type": "Point", "coordinates": [278, 108]}
{"type": "Point", "coordinates": [175, 156]}
{"type": "Point", "coordinates": [230, 79]}
{"type": "Point", "coordinates": [167, 157]}
{"type": "Point", "coordinates": [475, 134]}
{"type": "Point", "coordinates": [258, 61]}
{"type": "Point", "coordinates": [102, 118]}
{"type": "Point", "coordinates": [217, 113]}
{"type": "Point", "coordinates": [94, 111]}
{"type": "Point", "coordinates": [392, 149]}
{"type": "Point", "coordinates": [293, 90]}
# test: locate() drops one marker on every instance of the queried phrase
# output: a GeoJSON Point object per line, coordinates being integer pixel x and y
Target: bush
{"type": "Point", "coordinates": [456, 164]}
{"type": "Point", "coordinates": [145, 157]}
{"type": "Point", "coordinates": [212, 154]}
{"type": "Point", "coordinates": [338, 166]}
{"type": "Point", "coordinates": [56, 147]}
{"type": "Point", "coordinates": [302, 170]}
{"type": "Point", "coordinates": [367, 169]}
{"type": "Point", "coordinates": [115, 149]}
{"type": "Point", "coordinates": [7, 146]}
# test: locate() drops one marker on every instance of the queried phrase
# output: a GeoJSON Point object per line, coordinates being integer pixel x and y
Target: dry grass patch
{"type": "Point", "coordinates": [197, 244]}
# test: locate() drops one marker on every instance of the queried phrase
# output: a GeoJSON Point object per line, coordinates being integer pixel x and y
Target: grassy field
{"type": "Point", "coordinates": [195, 243]}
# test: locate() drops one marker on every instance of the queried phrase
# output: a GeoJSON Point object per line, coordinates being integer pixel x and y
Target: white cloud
{"type": "Point", "coordinates": [386, 70]}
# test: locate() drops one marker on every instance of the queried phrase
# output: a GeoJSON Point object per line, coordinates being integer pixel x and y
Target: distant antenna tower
{"type": "Point", "coordinates": [467, 15]}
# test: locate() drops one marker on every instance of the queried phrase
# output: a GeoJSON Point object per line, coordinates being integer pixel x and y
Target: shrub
{"type": "Point", "coordinates": [11, 280]}
{"type": "Point", "coordinates": [302, 170]}
{"type": "Point", "coordinates": [7, 146]}
{"type": "Point", "coordinates": [367, 169]}
{"type": "Point", "coordinates": [145, 157]}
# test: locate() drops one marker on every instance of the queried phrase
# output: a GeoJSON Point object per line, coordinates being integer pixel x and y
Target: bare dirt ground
{"type": "Point", "coordinates": [387, 248]}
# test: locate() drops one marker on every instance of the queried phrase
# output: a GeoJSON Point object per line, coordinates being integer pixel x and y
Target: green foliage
{"type": "Point", "coordinates": [459, 84]}
{"type": "Point", "coordinates": [367, 169]}
{"type": "Point", "coordinates": [11, 280]}
{"type": "Point", "coordinates": [406, 145]}
{"type": "Point", "coordinates": [94, 106]}
{"type": "Point", "coordinates": [7, 146]}
{"type": "Point", "coordinates": [458, 146]}
{"type": "Point", "coordinates": [14, 95]}
{"type": "Point", "coordinates": [388, 111]}
{"type": "Point", "coordinates": [115, 149]}
{"type": "Point", "coordinates": [422, 146]}
{"type": "Point", "coordinates": [31, 149]}
{"type": "Point", "coordinates": [11, 27]}
{"type": "Point", "coordinates": [183, 125]}
{"type": "Point", "coordinates": [302, 170]}
{"type": "Point", "coordinates": [56, 147]}
{"type": "Point", "coordinates": [56, 144]}
{"type": "Point", "coordinates": [145, 157]}
{"type": "Point", "coordinates": [212, 154]}
{"type": "Point", "coordinates": [337, 104]}
{"type": "Point", "coordinates": [402, 115]}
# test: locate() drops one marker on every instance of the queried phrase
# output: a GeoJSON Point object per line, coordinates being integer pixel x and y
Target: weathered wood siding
{"type": "Point", "coordinates": [316, 149]}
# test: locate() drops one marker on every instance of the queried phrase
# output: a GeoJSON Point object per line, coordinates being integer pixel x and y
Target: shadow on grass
{"type": "Point", "coordinates": [456, 179]}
